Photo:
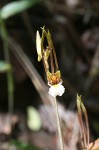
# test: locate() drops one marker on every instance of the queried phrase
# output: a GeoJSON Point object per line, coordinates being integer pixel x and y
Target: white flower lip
{"type": "Point", "coordinates": [38, 45]}
{"type": "Point", "coordinates": [56, 90]}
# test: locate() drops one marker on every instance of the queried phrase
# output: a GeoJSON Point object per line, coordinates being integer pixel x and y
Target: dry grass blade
{"type": "Point", "coordinates": [82, 110]}
{"type": "Point", "coordinates": [30, 70]}
{"type": "Point", "coordinates": [82, 131]}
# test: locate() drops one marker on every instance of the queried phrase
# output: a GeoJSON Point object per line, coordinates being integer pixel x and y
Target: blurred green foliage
{"type": "Point", "coordinates": [4, 66]}
{"type": "Point", "coordinates": [22, 146]}
{"type": "Point", "coordinates": [16, 7]}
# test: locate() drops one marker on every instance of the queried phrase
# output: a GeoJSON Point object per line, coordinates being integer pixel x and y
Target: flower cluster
{"type": "Point", "coordinates": [48, 56]}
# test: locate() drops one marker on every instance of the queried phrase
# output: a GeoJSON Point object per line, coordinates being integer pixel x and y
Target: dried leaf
{"type": "Point", "coordinates": [94, 145]}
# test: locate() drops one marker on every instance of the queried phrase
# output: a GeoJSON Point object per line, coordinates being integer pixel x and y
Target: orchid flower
{"type": "Point", "coordinates": [45, 53]}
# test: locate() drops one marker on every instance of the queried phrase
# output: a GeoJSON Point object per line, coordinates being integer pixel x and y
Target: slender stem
{"type": "Point", "coordinates": [58, 124]}
{"type": "Point", "coordinates": [88, 138]}
{"type": "Point", "coordinates": [82, 129]}
{"type": "Point", "coordinates": [7, 59]}
{"type": "Point", "coordinates": [10, 92]}
{"type": "Point", "coordinates": [45, 62]}
{"type": "Point", "coordinates": [50, 42]}
{"type": "Point", "coordinates": [87, 125]}
{"type": "Point", "coordinates": [56, 62]}
{"type": "Point", "coordinates": [52, 62]}
{"type": "Point", "coordinates": [83, 132]}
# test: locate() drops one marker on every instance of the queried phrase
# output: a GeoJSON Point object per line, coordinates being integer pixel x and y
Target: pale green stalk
{"type": "Point", "coordinates": [58, 124]}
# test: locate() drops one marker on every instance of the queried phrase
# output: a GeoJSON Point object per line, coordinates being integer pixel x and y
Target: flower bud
{"type": "Point", "coordinates": [38, 45]}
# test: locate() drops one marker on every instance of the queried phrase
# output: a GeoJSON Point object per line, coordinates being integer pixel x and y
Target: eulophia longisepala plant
{"type": "Point", "coordinates": [48, 55]}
